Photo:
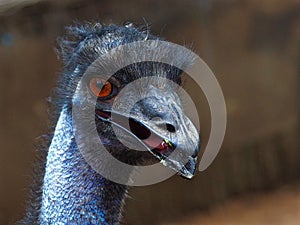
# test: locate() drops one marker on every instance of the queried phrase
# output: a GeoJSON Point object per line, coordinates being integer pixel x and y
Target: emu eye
{"type": "Point", "coordinates": [101, 88]}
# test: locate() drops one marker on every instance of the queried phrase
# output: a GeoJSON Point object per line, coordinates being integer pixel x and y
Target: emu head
{"type": "Point", "coordinates": [137, 112]}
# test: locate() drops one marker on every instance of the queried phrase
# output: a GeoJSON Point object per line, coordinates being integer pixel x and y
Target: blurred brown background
{"type": "Point", "coordinates": [252, 46]}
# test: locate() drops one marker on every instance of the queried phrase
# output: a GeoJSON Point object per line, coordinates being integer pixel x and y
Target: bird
{"type": "Point", "coordinates": [66, 189]}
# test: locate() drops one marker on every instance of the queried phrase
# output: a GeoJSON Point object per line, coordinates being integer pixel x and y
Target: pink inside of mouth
{"type": "Point", "coordinates": [157, 143]}
{"type": "Point", "coordinates": [105, 115]}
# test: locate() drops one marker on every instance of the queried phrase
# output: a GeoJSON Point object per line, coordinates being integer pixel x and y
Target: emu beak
{"type": "Point", "coordinates": [166, 133]}
{"type": "Point", "coordinates": [170, 135]}
{"type": "Point", "coordinates": [189, 170]}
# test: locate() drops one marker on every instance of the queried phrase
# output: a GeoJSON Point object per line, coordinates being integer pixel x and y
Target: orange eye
{"type": "Point", "coordinates": [99, 88]}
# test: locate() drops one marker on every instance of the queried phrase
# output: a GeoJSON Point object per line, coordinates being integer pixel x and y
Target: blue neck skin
{"type": "Point", "coordinates": [73, 193]}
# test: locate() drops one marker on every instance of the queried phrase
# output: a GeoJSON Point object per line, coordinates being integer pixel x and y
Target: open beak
{"type": "Point", "coordinates": [167, 133]}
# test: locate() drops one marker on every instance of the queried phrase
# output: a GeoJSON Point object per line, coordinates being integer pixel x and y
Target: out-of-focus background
{"type": "Point", "coordinates": [252, 46]}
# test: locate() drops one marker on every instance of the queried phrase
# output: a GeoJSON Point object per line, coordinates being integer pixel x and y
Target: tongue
{"type": "Point", "coordinates": [156, 142]}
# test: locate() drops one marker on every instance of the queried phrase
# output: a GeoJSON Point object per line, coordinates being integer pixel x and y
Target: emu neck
{"type": "Point", "coordinates": [73, 193]}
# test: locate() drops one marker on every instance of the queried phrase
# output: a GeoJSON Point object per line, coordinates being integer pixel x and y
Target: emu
{"type": "Point", "coordinates": [66, 189]}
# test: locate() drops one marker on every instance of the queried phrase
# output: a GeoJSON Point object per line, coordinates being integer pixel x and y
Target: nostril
{"type": "Point", "coordinates": [170, 128]}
